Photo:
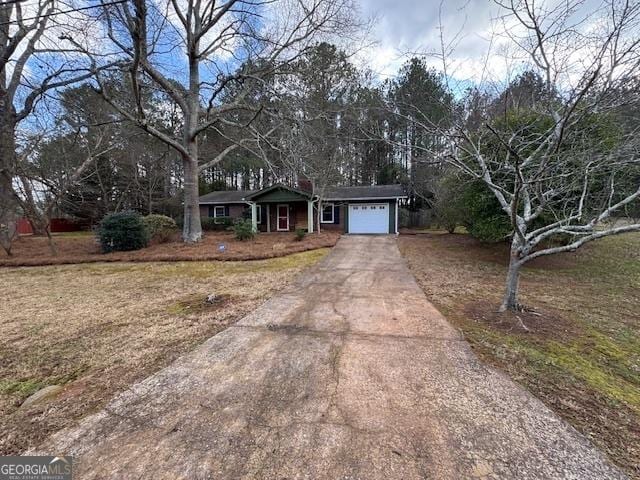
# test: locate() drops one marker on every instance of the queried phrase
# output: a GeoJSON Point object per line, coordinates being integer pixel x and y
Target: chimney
{"type": "Point", "coordinates": [305, 184]}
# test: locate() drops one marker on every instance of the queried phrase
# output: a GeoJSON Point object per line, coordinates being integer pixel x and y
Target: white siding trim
{"type": "Point", "coordinates": [373, 199]}
{"type": "Point", "coordinates": [333, 212]}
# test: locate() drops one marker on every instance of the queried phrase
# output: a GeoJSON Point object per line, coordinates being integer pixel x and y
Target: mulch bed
{"type": "Point", "coordinates": [34, 251]}
{"type": "Point", "coordinates": [540, 324]}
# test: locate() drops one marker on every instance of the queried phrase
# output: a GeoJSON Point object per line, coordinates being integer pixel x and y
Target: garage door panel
{"type": "Point", "coordinates": [369, 218]}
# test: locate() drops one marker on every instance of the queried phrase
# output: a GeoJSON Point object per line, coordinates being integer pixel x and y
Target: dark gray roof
{"type": "Point", "coordinates": [228, 196]}
{"type": "Point", "coordinates": [364, 192]}
{"type": "Point", "coordinates": [332, 193]}
{"type": "Point", "coordinates": [256, 194]}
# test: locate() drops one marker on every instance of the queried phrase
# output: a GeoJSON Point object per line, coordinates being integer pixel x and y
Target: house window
{"type": "Point", "coordinates": [258, 214]}
{"type": "Point", "coordinates": [327, 213]}
{"type": "Point", "coordinates": [218, 212]}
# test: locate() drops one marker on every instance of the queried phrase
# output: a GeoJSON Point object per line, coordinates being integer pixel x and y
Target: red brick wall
{"type": "Point", "coordinates": [235, 210]}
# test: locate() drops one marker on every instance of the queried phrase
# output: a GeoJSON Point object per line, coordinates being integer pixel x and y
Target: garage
{"type": "Point", "coordinates": [369, 218]}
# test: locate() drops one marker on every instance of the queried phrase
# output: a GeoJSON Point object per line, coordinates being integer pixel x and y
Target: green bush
{"type": "Point", "coordinates": [210, 224]}
{"type": "Point", "coordinates": [448, 210]}
{"type": "Point", "coordinates": [243, 230]}
{"type": "Point", "coordinates": [300, 234]}
{"type": "Point", "coordinates": [123, 231]}
{"type": "Point", "coordinates": [483, 217]}
{"type": "Point", "coordinates": [160, 227]}
{"type": "Point", "coordinates": [490, 229]}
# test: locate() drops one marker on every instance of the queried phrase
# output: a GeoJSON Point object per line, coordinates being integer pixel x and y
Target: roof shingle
{"type": "Point", "coordinates": [332, 193]}
{"type": "Point", "coordinates": [367, 191]}
{"type": "Point", "coordinates": [226, 196]}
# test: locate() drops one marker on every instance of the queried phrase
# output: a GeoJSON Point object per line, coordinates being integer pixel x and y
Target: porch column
{"type": "Point", "coordinates": [268, 218]}
{"type": "Point", "coordinates": [309, 216]}
{"type": "Point", "coordinates": [254, 216]}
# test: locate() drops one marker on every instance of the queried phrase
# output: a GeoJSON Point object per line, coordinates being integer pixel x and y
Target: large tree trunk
{"type": "Point", "coordinates": [8, 221]}
{"type": "Point", "coordinates": [510, 301]}
{"type": "Point", "coordinates": [52, 245]}
{"type": "Point", "coordinates": [192, 228]}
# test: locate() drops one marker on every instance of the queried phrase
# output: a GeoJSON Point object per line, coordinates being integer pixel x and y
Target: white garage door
{"type": "Point", "coordinates": [369, 218]}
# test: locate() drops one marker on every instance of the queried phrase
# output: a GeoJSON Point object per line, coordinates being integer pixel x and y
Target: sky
{"type": "Point", "coordinates": [405, 27]}
{"type": "Point", "coordinates": [475, 51]}
{"type": "Point", "coordinates": [478, 51]}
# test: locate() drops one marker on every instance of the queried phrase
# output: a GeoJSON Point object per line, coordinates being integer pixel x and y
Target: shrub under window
{"type": "Point", "coordinates": [244, 230]}
{"type": "Point", "coordinates": [216, 224]}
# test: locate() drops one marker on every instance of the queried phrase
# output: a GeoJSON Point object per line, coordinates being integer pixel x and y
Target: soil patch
{"type": "Point", "coordinates": [195, 304]}
{"type": "Point", "coordinates": [538, 324]}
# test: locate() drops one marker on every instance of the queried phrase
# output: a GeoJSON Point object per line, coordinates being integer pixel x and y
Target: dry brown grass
{"type": "Point", "coordinates": [582, 353]}
{"type": "Point", "coordinates": [98, 328]}
{"type": "Point", "coordinates": [83, 248]}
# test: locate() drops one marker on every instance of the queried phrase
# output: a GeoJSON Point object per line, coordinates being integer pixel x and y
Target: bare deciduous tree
{"type": "Point", "coordinates": [565, 165]}
{"type": "Point", "coordinates": [197, 51]}
{"type": "Point", "coordinates": [33, 62]}
{"type": "Point", "coordinates": [43, 186]}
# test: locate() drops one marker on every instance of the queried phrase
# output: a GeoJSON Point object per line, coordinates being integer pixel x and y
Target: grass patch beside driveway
{"type": "Point", "coordinates": [582, 353]}
{"type": "Point", "coordinates": [97, 328]}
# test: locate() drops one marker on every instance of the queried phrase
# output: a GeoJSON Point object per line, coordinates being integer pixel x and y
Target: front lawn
{"type": "Point", "coordinates": [97, 328]}
{"type": "Point", "coordinates": [581, 352]}
{"type": "Point", "coordinates": [82, 247]}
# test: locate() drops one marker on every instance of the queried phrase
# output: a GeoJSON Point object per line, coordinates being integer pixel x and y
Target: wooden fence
{"type": "Point", "coordinates": [414, 219]}
{"type": "Point", "coordinates": [58, 225]}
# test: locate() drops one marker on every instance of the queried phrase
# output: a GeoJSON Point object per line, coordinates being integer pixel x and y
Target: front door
{"type": "Point", "coordinates": [283, 218]}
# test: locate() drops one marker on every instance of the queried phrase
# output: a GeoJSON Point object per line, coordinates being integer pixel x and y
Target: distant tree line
{"type": "Point", "coordinates": [332, 118]}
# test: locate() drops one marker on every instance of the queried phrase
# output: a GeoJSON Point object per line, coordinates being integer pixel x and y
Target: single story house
{"type": "Point", "coordinates": [280, 208]}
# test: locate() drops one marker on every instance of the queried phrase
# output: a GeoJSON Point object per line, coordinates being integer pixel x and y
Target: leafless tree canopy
{"type": "Point", "coordinates": [207, 57]}
{"type": "Point", "coordinates": [26, 41]}
{"type": "Point", "coordinates": [562, 161]}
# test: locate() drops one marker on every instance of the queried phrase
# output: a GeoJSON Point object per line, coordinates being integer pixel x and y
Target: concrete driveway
{"type": "Point", "coordinates": [348, 374]}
